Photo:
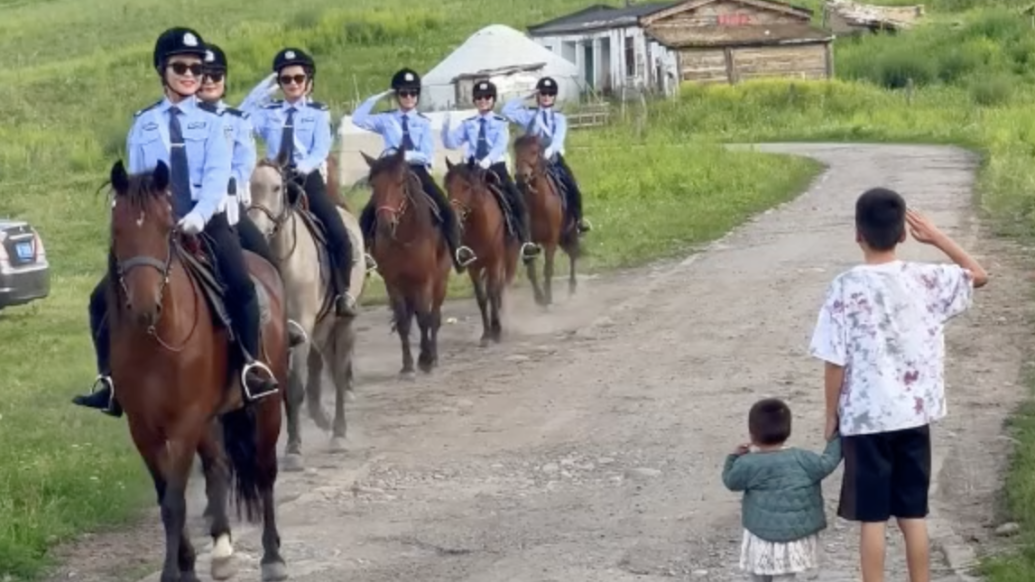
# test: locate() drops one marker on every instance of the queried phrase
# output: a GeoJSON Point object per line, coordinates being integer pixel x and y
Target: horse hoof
{"type": "Point", "coordinates": [338, 445]}
{"type": "Point", "coordinates": [274, 571]}
{"type": "Point", "coordinates": [189, 577]}
{"type": "Point", "coordinates": [408, 375]}
{"type": "Point", "coordinates": [426, 367]}
{"type": "Point", "coordinates": [223, 568]}
{"type": "Point", "coordinates": [484, 342]}
{"type": "Point", "coordinates": [292, 463]}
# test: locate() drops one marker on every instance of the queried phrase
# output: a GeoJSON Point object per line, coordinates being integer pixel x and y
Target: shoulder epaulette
{"type": "Point", "coordinates": [499, 117]}
{"type": "Point", "coordinates": [210, 107]}
{"type": "Point", "coordinates": [319, 106]}
{"type": "Point", "coordinates": [236, 112]}
{"type": "Point", "coordinates": [148, 108]}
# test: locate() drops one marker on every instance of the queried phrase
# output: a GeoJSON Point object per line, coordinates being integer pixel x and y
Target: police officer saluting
{"type": "Point", "coordinates": [405, 128]}
{"type": "Point", "coordinates": [552, 129]}
{"type": "Point", "coordinates": [486, 137]}
{"type": "Point", "coordinates": [188, 136]}
{"type": "Point", "coordinates": [300, 128]}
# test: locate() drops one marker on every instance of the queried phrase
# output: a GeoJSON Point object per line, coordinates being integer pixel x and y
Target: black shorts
{"type": "Point", "coordinates": [886, 474]}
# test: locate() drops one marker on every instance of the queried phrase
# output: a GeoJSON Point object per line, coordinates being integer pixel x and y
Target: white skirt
{"type": "Point", "coordinates": [758, 556]}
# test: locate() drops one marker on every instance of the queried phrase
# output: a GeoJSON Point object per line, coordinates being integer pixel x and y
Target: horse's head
{"type": "Point", "coordinates": [528, 158]}
{"type": "Point", "coordinates": [142, 224]}
{"type": "Point", "coordinates": [269, 207]}
{"type": "Point", "coordinates": [464, 182]}
{"type": "Point", "coordinates": [390, 181]}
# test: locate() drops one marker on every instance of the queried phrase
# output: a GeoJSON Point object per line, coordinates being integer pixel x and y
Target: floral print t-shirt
{"type": "Point", "coordinates": [884, 324]}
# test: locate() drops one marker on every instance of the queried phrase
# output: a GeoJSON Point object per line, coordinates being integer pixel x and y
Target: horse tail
{"type": "Point", "coordinates": [240, 436]}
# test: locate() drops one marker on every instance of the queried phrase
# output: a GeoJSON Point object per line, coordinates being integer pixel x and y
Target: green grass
{"type": "Point", "coordinates": [74, 74]}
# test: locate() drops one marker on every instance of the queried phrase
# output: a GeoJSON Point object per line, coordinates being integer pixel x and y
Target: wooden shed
{"type": "Point", "coordinates": [726, 41]}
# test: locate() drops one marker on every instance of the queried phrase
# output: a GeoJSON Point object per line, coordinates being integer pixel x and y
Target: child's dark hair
{"type": "Point", "coordinates": [769, 422]}
{"type": "Point", "coordinates": [880, 217]}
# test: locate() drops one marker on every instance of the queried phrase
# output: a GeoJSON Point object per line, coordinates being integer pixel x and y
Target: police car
{"type": "Point", "coordinates": [24, 270]}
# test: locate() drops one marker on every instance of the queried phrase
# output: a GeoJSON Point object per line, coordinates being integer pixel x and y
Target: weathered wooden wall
{"type": "Point", "coordinates": [725, 14]}
{"type": "Point", "coordinates": [732, 65]}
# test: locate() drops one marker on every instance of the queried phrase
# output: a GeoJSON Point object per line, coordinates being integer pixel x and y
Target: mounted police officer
{"type": "Point", "coordinates": [301, 129]}
{"type": "Point", "coordinates": [238, 128]}
{"type": "Point", "coordinates": [189, 137]}
{"type": "Point", "coordinates": [486, 137]}
{"type": "Point", "coordinates": [406, 128]}
{"type": "Point", "coordinates": [552, 129]}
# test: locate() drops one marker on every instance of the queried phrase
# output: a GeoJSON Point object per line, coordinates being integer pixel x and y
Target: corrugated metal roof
{"type": "Point", "coordinates": [599, 17]}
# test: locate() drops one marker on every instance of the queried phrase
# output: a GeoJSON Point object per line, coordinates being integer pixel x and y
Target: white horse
{"type": "Point", "coordinates": [307, 282]}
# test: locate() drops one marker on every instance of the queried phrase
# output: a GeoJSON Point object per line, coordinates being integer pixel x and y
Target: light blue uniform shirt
{"type": "Point", "coordinates": [312, 123]}
{"type": "Point", "coordinates": [497, 134]}
{"type": "Point", "coordinates": [238, 128]}
{"type": "Point", "coordinates": [389, 126]}
{"type": "Point", "coordinates": [550, 126]}
{"type": "Point", "coordinates": [204, 138]}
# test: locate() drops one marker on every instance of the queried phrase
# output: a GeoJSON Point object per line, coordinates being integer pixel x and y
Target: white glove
{"type": "Point", "coordinates": [387, 93]}
{"type": "Point", "coordinates": [485, 163]}
{"type": "Point", "coordinates": [244, 192]}
{"type": "Point", "coordinates": [233, 210]}
{"type": "Point", "coordinates": [410, 156]}
{"type": "Point", "coordinates": [549, 152]}
{"type": "Point", "coordinates": [193, 223]}
{"type": "Point", "coordinates": [271, 84]}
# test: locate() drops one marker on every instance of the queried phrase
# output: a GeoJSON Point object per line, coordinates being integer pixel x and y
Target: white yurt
{"type": "Point", "coordinates": [513, 61]}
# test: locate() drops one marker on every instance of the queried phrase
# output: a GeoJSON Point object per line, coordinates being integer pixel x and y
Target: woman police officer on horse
{"type": "Point", "coordinates": [238, 127]}
{"type": "Point", "coordinates": [486, 137]}
{"type": "Point", "coordinates": [300, 129]}
{"type": "Point", "coordinates": [552, 129]}
{"type": "Point", "coordinates": [405, 128]}
{"type": "Point", "coordinates": [188, 136]}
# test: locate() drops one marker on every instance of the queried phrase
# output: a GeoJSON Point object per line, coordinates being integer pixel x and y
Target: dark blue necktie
{"type": "Point", "coordinates": [481, 151]}
{"type": "Point", "coordinates": [178, 168]}
{"type": "Point", "coordinates": [407, 140]}
{"type": "Point", "coordinates": [287, 137]}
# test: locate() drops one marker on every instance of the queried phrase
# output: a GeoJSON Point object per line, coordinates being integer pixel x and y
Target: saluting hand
{"type": "Point", "coordinates": [192, 224]}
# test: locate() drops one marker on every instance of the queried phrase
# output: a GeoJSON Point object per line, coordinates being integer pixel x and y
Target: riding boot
{"type": "Point", "coordinates": [344, 302]}
{"type": "Point", "coordinates": [529, 249]}
{"type": "Point", "coordinates": [102, 393]}
{"type": "Point", "coordinates": [367, 225]}
{"type": "Point", "coordinates": [257, 379]}
{"type": "Point", "coordinates": [462, 255]}
{"type": "Point", "coordinates": [574, 197]}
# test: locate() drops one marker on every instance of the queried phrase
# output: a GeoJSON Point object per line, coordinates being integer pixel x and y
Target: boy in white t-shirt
{"type": "Point", "coordinates": [880, 332]}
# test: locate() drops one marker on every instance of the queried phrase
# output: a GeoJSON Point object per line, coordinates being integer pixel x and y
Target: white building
{"type": "Point", "coordinates": [508, 58]}
{"type": "Point", "coordinates": [610, 47]}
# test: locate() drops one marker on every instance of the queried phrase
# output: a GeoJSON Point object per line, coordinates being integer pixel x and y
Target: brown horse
{"type": "Point", "coordinates": [550, 225]}
{"type": "Point", "coordinates": [474, 193]}
{"type": "Point", "coordinates": [411, 254]}
{"type": "Point", "coordinates": [174, 365]}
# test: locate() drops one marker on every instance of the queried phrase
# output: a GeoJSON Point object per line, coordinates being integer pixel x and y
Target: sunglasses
{"type": "Point", "coordinates": [213, 76]}
{"type": "Point", "coordinates": [484, 98]}
{"type": "Point", "coordinates": [548, 93]}
{"type": "Point", "coordinates": [407, 93]}
{"type": "Point", "coordinates": [288, 79]}
{"type": "Point", "coordinates": [182, 68]}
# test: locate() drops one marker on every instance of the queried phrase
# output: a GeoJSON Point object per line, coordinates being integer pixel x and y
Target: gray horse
{"type": "Point", "coordinates": [306, 279]}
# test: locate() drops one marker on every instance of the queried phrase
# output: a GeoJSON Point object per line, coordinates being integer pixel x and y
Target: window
{"type": "Point", "coordinates": [630, 56]}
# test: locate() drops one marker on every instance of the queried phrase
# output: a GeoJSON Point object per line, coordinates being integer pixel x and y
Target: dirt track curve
{"type": "Point", "coordinates": [588, 446]}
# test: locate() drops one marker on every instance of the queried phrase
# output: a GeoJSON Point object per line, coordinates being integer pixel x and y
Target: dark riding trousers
{"type": "Point", "coordinates": [323, 207]}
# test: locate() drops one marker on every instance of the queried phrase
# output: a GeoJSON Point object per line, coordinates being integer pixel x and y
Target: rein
{"type": "Point", "coordinates": [396, 213]}
{"type": "Point", "coordinates": [164, 268]}
{"type": "Point", "coordinates": [287, 211]}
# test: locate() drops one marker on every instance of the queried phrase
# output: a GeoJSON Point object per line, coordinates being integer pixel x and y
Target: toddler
{"type": "Point", "coordinates": [782, 509]}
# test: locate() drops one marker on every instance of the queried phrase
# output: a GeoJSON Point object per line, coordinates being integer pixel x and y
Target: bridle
{"type": "Point", "coordinates": [287, 209]}
{"type": "Point", "coordinates": [164, 268]}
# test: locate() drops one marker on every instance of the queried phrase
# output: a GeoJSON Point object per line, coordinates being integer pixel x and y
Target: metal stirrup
{"type": "Point", "coordinates": [244, 379]}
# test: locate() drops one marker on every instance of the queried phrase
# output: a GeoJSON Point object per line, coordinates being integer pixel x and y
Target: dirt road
{"type": "Point", "coordinates": [589, 445]}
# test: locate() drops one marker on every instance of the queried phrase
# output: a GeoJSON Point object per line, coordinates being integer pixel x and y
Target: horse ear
{"type": "Point", "coordinates": [449, 164]}
{"type": "Point", "coordinates": [369, 160]}
{"type": "Point", "coordinates": [161, 176]}
{"type": "Point", "coordinates": [400, 154]}
{"type": "Point", "coordinates": [119, 177]}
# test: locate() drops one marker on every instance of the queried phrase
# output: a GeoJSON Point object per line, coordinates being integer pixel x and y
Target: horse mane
{"type": "Point", "coordinates": [141, 190]}
{"type": "Point", "coordinates": [525, 140]}
{"type": "Point", "coordinates": [386, 164]}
